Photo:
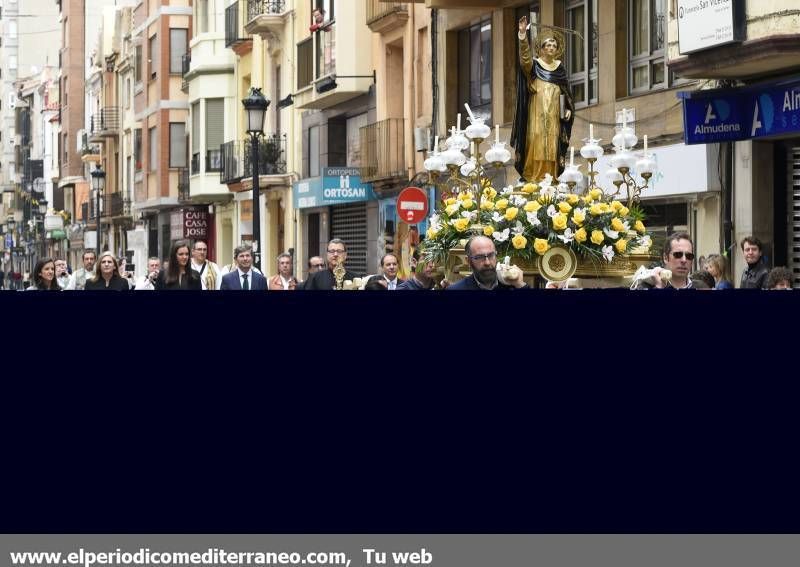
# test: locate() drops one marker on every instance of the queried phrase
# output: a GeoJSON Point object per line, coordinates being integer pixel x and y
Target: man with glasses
{"type": "Point", "coordinates": [482, 256]}
{"type": "Point", "coordinates": [210, 275]}
{"type": "Point", "coordinates": [324, 279]}
{"type": "Point", "coordinates": [677, 258]}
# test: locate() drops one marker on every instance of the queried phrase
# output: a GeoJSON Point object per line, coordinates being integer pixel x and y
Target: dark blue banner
{"type": "Point", "coordinates": [728, 115]}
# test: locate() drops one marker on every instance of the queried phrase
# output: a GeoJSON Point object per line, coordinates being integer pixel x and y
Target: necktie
{"type": "Point", "coordinates": [392, 284]}
{"type": "Point", "coordinates": [245, 285]}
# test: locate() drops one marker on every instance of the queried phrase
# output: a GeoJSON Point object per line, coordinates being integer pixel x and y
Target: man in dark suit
{"type": "Point", "coordinates": [324, 279]}
{"type": "Point", "coordinates": [389, 266]}
{"type": "Point", "coordinates": [482, 256]}
{"type": "Point", "coordinates": [244, 278]}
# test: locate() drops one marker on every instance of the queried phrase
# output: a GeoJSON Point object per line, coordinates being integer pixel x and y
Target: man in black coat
{"type": "Point", "coordinates": [324, 279]}
{"type": "Point", "coordinates": [756, 273]}
{"type": "Point", "coordinates": [482, 257]}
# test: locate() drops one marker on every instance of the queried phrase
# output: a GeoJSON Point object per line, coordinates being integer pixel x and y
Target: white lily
{"type": "Point", "coordinates": [533, 219]}
{"type": "Point", "coordinates": [468, 214]}
{"type": "Point", "coordinates": [551, 211]}
{"type": "Point", "coordinates": [646, 241]}
{"type": "Point", "coordinates": [497, 217]}
{"type": "Point", "coordinates": [608, 253]}
{"type": "Point", "coordinates": [501, 236]}
{"type": "Point", "coordinates": [612, 234]}
{"type": "Point", "coordinates": [627, 225]}
{"type": "Point", "coordinates": [507, 190]}
{"type": "Point", "coordinates": [580, 210]}
{"type": "Point", "coordinates": [519, 201]}
{"type": "Point", "coordinates": [567, 237]}
{"type": "Point", "coordinates": [519, 228]}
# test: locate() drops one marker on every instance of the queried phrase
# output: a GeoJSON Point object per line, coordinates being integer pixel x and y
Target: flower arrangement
{"type": "Point", "coordinates": [527, 222]}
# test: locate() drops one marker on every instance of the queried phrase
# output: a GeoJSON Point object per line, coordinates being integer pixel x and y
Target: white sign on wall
{"type": "Point", "coordinates": [706, 23]}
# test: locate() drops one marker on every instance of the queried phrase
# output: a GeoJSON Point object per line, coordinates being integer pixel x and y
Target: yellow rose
{"type": "Point", "coordinates": [587, 199]}
{"type": "Point", "coordinates": [467, 203]}
{"type": "Point", "coordinates": [623, 212]}
{"type": "Point", "coordinates": [529, 188]}
{"type": "Point", "coordinates": [560, 221]}
{"type": "Point", "coordinates": [621, 245]}
{"type": "Point", "coordinates": [580, 235]}
{"type": "Point", "coordinates": [578, 217]}
{"type": "Point", "coordinates": [431, 234]}
{"type": "Point", "coordinates": [462, 196]}
{"type": "Point", "coordinates": [501, 204]}
{"type": "Point", "coordinates": [488, 230]}
{"type": "Point", "coordinates": [450, 201]}
{"type": "Point", "coordinates": [596, 209]}
{"type": "Point", "coordinates": [511, 213]}
{"type": "Point", "coordinates": [564, 207]}
{"type": "Point", "coordinates": [573, 199]}
{"type": "Point", "coordinates": [490, 192]}
{"type": "Point", "coordinates": [597, 237]}
{"type": "Point", "coordinates": [616, 205]}
{"type": "Point", "coordinates": [595, 193]}
{"type": "Point", "coordinates": [639, 227]}
{"type": "Point", "coordinates": [541, 245]}
{"type": "Point", "coordinates": [519, 242]}
{"type": "Point", "coordinates": [605, 207]}
{"type": "Point", "coordinates": [451, 210]}
{"type": "Point", "coordinates": [486, 205]}
{"type": "Point", "coordinates": [532, 206]}
{"type": "Point", "coordinates": [461, 225]}
{"type": "Point", "coordinates": [616, 224]}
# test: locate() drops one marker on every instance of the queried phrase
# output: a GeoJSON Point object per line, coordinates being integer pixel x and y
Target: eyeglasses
{"type": "Point", "coordinates": [336, 251]}
{"type": "Point", "coordinates": [679, 255]}
{"type": "Point", "coordinates": [201, 249]}
{"type": "Point", "coordinates": [489, 256]}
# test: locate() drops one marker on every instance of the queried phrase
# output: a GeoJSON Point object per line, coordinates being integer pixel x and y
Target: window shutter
{"type": "Point", "coordinates": [177, 49]}
{"type": "Point", "coordinates": [196, 128]}
{"type": "Point", "coordinates": [215, 123]}
{"type": "Point", "coordinates": [177, 145]}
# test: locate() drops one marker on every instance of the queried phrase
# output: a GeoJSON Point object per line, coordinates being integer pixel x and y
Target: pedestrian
{"type": "Point", "coordinates": [325, 279]}
{"type": "Point", "coordinates": [44, 276]}
{"type": "Point", "coordinates": [244, 278]}
{"type": "Point", "coordinates": [107, 277]}
{"type": "Point", "coordinates": [389, 267]}
{"type": "Point", "coordinates": [283, 280]}
{"type": "Point", "coordinates": [79, 277]}
{"type": "Point", "coordinates": [755, 275]}
{"type": "Point", "coordinates": [147, 281]}
{"type": "Point", "coordinates": [677, 257]}
{"type": "Point", "coordinates": [422, 274]}
{"type": "Point", "coordinates": [209, 272]}
{"type": "Point", "coordinates": [62, 276]}
{"type": "Point", "coordinates": [482, 256]}
{"type": "Point", "coordinates": [701, 279]}
{"type": "Point", "coordinates": [717, 266]}
{"type": "Point", "coordinates": [779, 278]}
{"type": "Point", "coordinates": [178, 274]}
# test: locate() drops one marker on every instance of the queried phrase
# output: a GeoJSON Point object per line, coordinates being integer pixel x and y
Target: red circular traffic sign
{"type": "Point", "coordinates": [412, 205]}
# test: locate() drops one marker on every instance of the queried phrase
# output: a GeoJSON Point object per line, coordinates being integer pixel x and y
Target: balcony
{"type": "Point", "coordinates": [235, 35]}
{"type": "Point", "coordinates": [213, 160]}
{"type": "Point", "coordinates": [383, 17]}
{"type": "Point", "coordinates": [237, 162]}
{"type": "Point", "coordinates": [383, 151]}
{"type": "Point", "coordinates": [184, 194]}
{"type": "Point", "coordinates": [186, 62]}
{"type": "Point", "coordinates": [111, 205]}
{"type": "Point", "coordinates": [104, 124]}
{"type": "Point", "coordinates": [266, 18]}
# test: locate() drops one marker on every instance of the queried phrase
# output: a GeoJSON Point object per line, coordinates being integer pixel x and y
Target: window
{"type": "Point", "coordinates": [354, 125]}
{"type": "Point", "coordinates": [202, 15]}
{"type": "Point", "coordinates": [329, 7]}
{"type": "Point", "coordinates": [137, 64]}
{"type": "Point", "coordinates": [582, 48]}
{"type": "Point", "coordinates": [153, 142]}
{"type": "Point", "coordinates": [305, 63]}
{"type": "Point", "coordinates": [177, 49]}
{"type": "Point", "coordinates": [137, 150]}
{"type": "Point", "coordinates": [152, 54]}
{"type": "Point", "coordinates": [475, 69]}
{"type": "Point", "coordinates": [313, 151]}
{"type": "Point", "coordinates": [195, 137]}
{"type": "Point", "coordinates": [215, 133]}
{"type": "Point", "coordinates": [647, 41]}
{"type": "Point", "coordinates": [12, 29]}
{"type": "Point", "coordinates": [177, 144]}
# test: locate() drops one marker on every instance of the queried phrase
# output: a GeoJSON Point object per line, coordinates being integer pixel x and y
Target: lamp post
{"type": "Point", "coordinates": [11, 226]}
{"type": "Point", "coordinates": [98, 184]}
{"type": "Point", "coordinates": [42, 213]}
{"type": "Point", "coordinates": [256, 106]}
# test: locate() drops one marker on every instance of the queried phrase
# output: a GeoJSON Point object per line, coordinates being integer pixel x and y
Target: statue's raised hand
{"type": "Point", "coordinates": [523, 24]}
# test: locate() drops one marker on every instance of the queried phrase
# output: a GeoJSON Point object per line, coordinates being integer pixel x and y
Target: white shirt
{"type": "Point", "coordinates": [209, 266]}
{"type": "Point", "coordinates": [391, 284]}
{"type": "Point", "coordinates": [285, 283]}
{"type": "Point", "coordinates": [144, 284]}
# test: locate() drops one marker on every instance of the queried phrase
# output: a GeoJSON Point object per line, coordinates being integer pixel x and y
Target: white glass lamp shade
{"type": "Point", "coordinates": [592, 150]}
{"type": "Point", "coordinates": [255, 106]}
{"type": "Point", "coordinates": [623, 158]}
{"type": "Point", "coordinates": [469, 167]}
{"type": "Point", "coordinates": [453, 156]}
{"type": "Point", "coordinates": [646, 165]}
{"type": "Point", "coordinates": [435, 162]}
{"type": "Point", "coordinates": [613, 175]}
{"type": "Point", "coordinates": [457, 141]}
{"type": "Point", "coordinates": [477, 130]}
{"type": "Point", "coordinates": [624, 138]}
{"type": "Point", "coordinates": [498, 153]}
{"type": "Point", "coordinates": [571, 175]}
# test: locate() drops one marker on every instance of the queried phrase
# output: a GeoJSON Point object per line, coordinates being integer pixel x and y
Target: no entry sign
{"type": "Point", "coordinates": [412, 205]}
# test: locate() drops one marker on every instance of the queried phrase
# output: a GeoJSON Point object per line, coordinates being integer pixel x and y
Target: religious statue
{"type": "Point", "coordinates": [545, 111]}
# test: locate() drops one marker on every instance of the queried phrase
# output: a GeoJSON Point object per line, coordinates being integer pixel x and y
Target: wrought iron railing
{"type": "Point", "coordinates": [213, 160]}
{"type": "Point", "coordinates": [234, 24]}
{"type": "Point", "coordinates": [183, 184]}
{"type": "Point", "coordinates": [376, 9]}
{"type": "Point", "coordinates": [257, 8]}
{"type": "Point", "coordinates": [383, 150]}
{"type": "Point", "coordinates": [186, 62]}
{"type": "Point", "coordinates": [107, 120]}
{"type": "Point", "coordinates": [237, 158]}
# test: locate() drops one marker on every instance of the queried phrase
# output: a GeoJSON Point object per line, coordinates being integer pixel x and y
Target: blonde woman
{"type": "Point", "coordinates": [717, 266]}
{"type": "Point", "coordinates": [107, 276]}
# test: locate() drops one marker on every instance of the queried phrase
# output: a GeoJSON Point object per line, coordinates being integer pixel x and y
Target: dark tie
{"type": "Point", "coordinates": [245, 285]}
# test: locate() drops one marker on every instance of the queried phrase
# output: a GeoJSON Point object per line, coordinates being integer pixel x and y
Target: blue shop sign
{"type": "Point", "coordinates": [337, 186]}
{"type": "Point", "coordinates": [729, 115]}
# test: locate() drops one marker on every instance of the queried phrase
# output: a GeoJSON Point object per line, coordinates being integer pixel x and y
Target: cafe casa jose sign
{"type": "Point", "coordinates": [190, 223]}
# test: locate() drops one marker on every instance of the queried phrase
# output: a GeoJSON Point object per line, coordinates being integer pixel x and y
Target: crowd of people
{"type": "Point", "coordinates": [188, 268]}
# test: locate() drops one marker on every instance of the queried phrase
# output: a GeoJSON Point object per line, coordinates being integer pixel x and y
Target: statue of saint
{"type": "Point", "coordinates": [545, 110]}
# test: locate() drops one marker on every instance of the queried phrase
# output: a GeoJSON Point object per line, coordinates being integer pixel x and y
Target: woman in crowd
{"type": "Point", "coordinates": [179, 273]}
{"type": "Point", "coordinates": [107, 276]}
{"type": "Point", "coordinates": [44, 276]}
{"type": "Point", "coordinates": [717, 266]}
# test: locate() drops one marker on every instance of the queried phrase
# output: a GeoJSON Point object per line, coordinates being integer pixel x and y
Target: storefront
{"type": "Point", "coordinates": [339, 205]}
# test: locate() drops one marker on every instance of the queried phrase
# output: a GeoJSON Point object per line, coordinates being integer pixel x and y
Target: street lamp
{"type": "Point", "coordinates": [43, 207]}
{"type": "Point", "coordinates": [256, 106]}
{"type": "Point", "coordinates": [98, 184]}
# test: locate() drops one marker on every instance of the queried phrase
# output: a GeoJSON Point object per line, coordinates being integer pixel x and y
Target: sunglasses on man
{"type": "Point", "coordinates": [679, 255]}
